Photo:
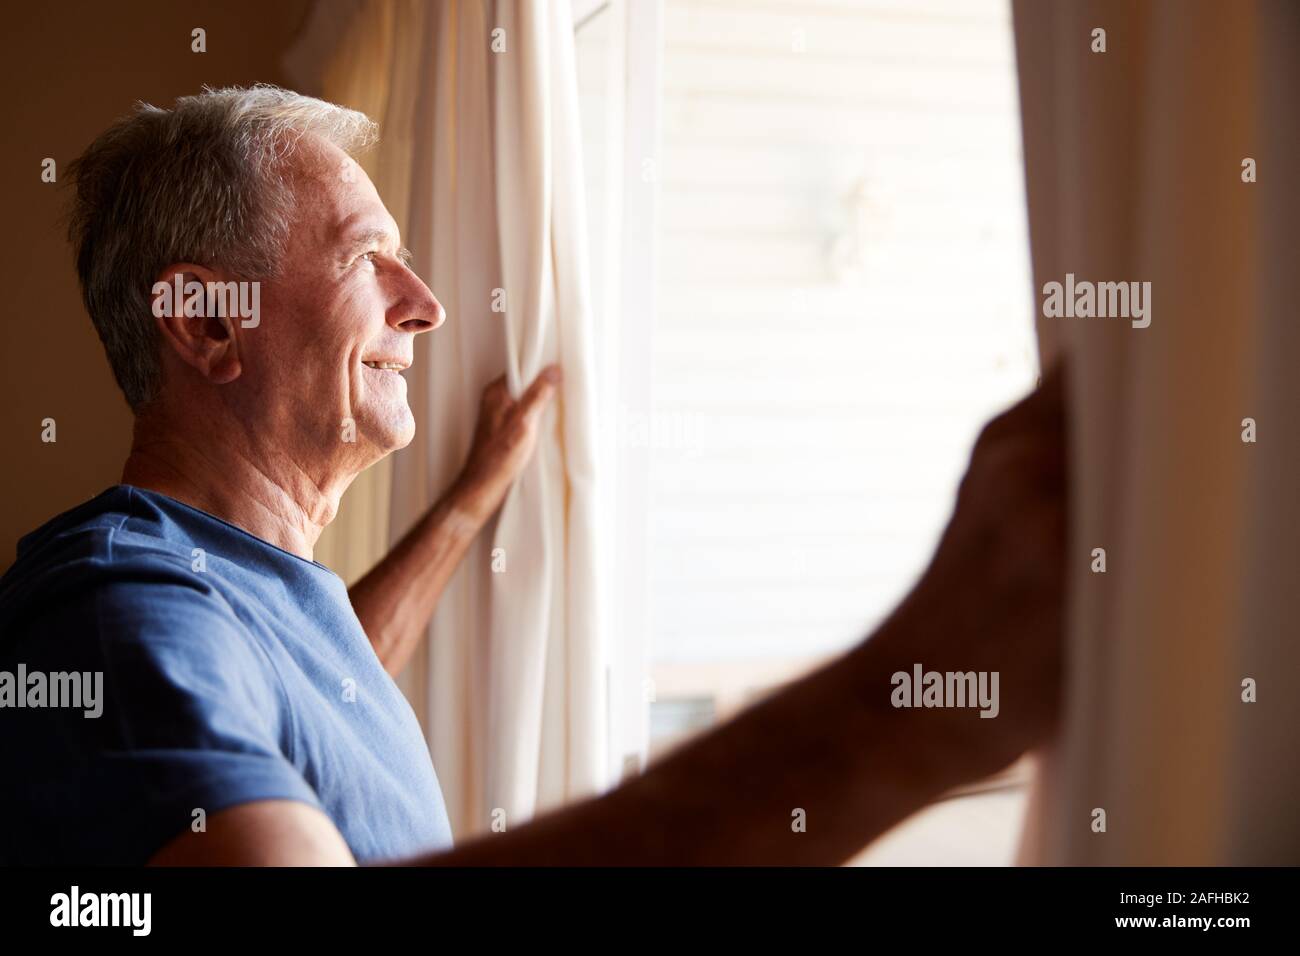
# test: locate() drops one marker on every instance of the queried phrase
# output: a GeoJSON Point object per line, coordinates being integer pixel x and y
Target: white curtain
{"type": "Point", "coordinates": [480, 163]}
{"type": "Point", "coordinates": [1134, 161]}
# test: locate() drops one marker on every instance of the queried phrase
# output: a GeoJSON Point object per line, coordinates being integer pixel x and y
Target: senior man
{"type": "Point", "coordinates": [228, 653]}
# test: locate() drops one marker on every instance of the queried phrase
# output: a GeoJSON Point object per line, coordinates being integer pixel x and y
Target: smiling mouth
{"type": "Point", "coordinates": [385, 366]}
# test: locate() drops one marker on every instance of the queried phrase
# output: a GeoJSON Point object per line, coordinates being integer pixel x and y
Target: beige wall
{"type": "Point", "coordinates": [71, 69]}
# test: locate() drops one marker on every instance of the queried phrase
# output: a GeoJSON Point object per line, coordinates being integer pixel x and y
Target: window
{"type": "Point", "coordinates": [842, 297]}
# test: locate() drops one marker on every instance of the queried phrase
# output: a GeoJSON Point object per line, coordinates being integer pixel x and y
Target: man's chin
{"type": "Point", "coordinates": [384, 427]}
{"type": "Point", "coordinates": [402, 440]}
{"type": "Point", "coordinates": [395, 434]}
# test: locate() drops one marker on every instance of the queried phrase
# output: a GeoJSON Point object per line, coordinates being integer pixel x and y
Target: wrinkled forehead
{"type": "Point", "coordinates": [332, 193]}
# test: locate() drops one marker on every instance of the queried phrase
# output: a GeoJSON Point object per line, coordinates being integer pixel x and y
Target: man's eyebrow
{"type": "Point", "coordinates": [367, 237]}
{"type": "Point", "coordinates": [379, 235]}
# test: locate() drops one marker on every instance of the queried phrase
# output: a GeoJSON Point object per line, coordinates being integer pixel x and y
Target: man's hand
{"type": "Point", "coordinates": [395, 601]}
{"type": "Point", "coordinates": [503, 441]}
{"type": "Point", "coordinates": [993, 597]}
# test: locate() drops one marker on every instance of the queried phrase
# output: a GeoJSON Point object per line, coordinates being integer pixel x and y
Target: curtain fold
{"type": "Point", "coordinates": [542, 240]}
{"type": "Point", "coordinates": [480, 163]}
{"type": "Point", "coordinates": [1134, 164]}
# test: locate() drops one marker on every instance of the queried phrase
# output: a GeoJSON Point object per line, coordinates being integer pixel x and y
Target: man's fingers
{"type": "Point", "coordinates": [496, 403]}
{"type": "Point", "coordinates": [1041, 410]}
{"type": "Point", "coordinates": [496, 389]}
{"type": "Point", "coordinates": [1047, 402]}
{"type": "Point", "coordinates": [534, 400]}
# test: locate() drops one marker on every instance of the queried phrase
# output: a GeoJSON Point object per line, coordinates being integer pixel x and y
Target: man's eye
{"type": "Point", "coordinates": [369, 256]}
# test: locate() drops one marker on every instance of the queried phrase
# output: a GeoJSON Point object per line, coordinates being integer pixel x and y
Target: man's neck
{"type": "Point", "coordinates": [270, 495]}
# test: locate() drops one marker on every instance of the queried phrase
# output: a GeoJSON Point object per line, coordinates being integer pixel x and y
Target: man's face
{"type": "Point", "coordinates": [344, 306]}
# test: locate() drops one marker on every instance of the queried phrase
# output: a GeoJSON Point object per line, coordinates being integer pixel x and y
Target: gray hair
{"type": "Point", "coordinates": [204, 182]}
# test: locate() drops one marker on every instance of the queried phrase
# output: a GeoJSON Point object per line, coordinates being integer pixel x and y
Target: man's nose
{"type": "Point", "coordinates": [419, 311]}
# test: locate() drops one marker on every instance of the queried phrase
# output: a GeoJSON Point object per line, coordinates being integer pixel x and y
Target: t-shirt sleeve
{"type": "Point", "coordinates": [192, 720]}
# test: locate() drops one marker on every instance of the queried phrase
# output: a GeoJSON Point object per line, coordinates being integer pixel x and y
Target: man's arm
{"type": "Point", "coordinates": [832, 744]}
{"type": "Point", "coordinates": [261, 833]}
{"type": "Point", "coordinates": [396, 599]}
{"type": "Point", "coordinates": [827, 746]}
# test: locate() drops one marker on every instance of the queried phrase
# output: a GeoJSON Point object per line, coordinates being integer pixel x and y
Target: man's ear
{"type": "Point", "coordinates": [193, 323]}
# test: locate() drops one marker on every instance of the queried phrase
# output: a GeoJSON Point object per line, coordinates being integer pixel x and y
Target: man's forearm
{"type": "Point", "coordinates": [829, 745]}
{"type": "Point", "coordinates": [396, 599]}
{"type": "Point", "coordinates": [833, 744]}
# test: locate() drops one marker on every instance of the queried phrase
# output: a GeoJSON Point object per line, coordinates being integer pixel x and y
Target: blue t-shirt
{"type": "Point", "coordinates": [232, 671]}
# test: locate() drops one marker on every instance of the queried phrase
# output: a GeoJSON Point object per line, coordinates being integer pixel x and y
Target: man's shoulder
{"type": "Point", "coordinates": [110, 544]}
{"type": "Point", "coordinates": [106, 572]}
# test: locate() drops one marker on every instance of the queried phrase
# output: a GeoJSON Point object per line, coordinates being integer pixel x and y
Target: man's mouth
{"type": "Point", "coordinates": [386, 366]}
